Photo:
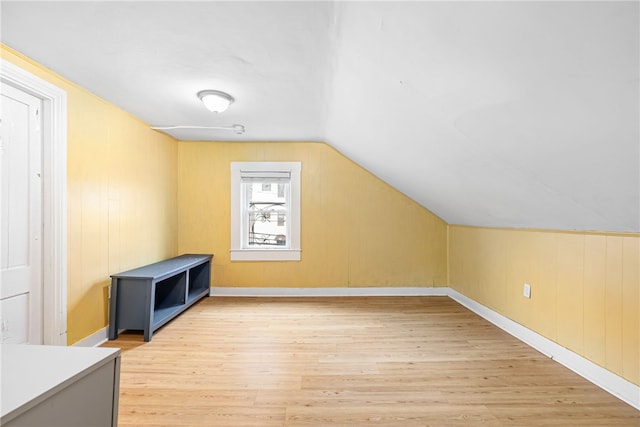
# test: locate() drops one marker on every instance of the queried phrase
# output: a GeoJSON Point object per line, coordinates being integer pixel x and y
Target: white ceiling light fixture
{"type": "Point", "coordinates": [215, 100]}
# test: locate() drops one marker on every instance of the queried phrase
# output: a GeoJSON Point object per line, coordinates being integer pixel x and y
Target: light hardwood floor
{"type": "Point", "coordinates": [374, 361]}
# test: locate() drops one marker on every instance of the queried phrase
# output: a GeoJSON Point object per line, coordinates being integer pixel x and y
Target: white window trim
{"type": "Point", "coordinates": [238, 253]}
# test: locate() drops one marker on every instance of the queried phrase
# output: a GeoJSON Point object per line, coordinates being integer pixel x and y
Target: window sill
{"type": "Point", "coordinates": [265, 254]}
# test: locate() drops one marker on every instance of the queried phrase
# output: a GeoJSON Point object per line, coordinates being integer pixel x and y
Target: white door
{"type": "Point", "coordinates": [20, 217]}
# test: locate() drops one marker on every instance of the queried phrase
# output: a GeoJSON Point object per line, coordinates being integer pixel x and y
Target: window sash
{"type": "Point", "coordinates": [258, 171]}
{"type": "Point", "coordinates": [248, 232]}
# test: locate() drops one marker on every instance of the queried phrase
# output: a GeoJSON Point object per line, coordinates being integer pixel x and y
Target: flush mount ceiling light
{"type": "Point", "coordinates": [215, 100]}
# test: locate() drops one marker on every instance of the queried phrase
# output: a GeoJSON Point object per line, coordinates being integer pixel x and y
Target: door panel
{"type": "Point", "coordinates": [20, 217]}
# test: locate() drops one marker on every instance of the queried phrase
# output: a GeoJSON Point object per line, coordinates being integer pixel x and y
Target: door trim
{"type": "Point", "coordinates": [54, 200]}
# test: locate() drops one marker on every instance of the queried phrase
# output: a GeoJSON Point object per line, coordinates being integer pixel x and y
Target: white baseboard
{"type": "Point", "coordinates": [326, 292]}
{"type": "Point", "coordinates": [94, 340]}
{"type": "Point", "coordinates": [606, 380]}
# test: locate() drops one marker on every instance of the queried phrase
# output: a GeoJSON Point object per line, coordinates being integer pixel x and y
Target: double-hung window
{"type": "Point", "coordinates": [265, 211]}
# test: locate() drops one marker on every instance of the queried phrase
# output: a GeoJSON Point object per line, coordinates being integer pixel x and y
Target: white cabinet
{"type": "Point", "coordinates": [59, 386]}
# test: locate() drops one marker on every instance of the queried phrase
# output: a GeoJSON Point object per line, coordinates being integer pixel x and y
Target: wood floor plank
{"type": "Point", "coordinates": [392, 416]}
{"type": "Point", "coordinates": [382, 361]}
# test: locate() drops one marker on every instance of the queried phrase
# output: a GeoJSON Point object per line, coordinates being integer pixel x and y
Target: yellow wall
{"type": "Point", "coordinates": [585, 287]}
{"type": "Point", "coordinates": [121, 190]}
{"type": "Point", "coordinates": [355, 229]}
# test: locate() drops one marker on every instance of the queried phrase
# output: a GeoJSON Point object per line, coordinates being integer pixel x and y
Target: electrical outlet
{"type": "Point", "coordinates": [527, 290]}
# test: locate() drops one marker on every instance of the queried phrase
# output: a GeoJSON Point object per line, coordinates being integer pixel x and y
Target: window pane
{"type": "Point", "coordinates": [266, 213]}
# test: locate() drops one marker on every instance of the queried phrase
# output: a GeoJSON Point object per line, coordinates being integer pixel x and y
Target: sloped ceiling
{"type": "Point", "coordinates": [507, 114]}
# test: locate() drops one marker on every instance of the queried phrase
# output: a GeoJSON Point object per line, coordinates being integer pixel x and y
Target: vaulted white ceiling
{"type": "Point", "coordinates": [508, 114]}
